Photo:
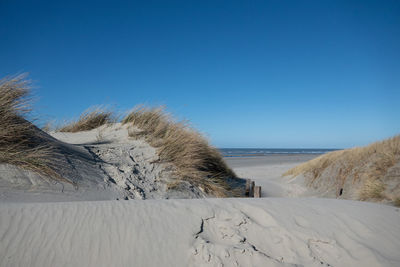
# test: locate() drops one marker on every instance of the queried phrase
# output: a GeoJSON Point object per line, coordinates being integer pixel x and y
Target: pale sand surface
{"type": "Point", "coordinates": [267, 172]}
{"type": "Point", "coordinates": [192, 232]}
{"type": "Point", "coordinates": [202, 232]}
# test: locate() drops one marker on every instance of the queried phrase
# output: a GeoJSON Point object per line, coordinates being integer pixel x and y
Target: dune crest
{"type": "Point", "coordinates": [369, 173]}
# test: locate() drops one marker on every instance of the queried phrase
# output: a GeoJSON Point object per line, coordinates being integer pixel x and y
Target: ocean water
{"type": "Point", "coordinates": [254, 152]}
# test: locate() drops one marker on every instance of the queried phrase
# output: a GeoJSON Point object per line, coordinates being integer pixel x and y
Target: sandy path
{"type": "Point", "coordinates": [267, 172]}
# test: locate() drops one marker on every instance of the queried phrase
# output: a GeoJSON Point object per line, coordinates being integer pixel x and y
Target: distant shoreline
{"type": "Point", "coordinates": [259, 152]}
{"type": "Point", "coordinates": [266, 155]}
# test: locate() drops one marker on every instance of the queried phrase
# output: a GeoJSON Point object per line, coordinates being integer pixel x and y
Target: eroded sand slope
{"type": "Point", "coordinates": [103, 164]}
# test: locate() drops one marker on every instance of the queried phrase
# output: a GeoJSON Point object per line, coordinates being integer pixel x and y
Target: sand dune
{"type": "Point", "coordinates": [369, 173]}
{"type": "Point", "coordinates": [208, 232]}
{"type": "Point", "coordinates": [111, 167]}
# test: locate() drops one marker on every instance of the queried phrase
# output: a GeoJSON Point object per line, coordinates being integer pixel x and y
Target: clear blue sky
{"type": "Point", "coordinates": [247, 73]}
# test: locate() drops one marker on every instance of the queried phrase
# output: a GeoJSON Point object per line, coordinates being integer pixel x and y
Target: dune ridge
{"type": "Point", "coordinates": [363, 173]}
{"type": "Point", "coordinates": [95, 157]}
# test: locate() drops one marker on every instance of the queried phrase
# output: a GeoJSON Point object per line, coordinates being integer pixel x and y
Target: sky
{"type": "Point", "coordinates": [273, 74]}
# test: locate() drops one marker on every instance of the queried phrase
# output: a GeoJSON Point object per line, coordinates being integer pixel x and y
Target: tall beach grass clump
{"type": "Point", "coordinates": [20, 143]}
{"type": "Point", "coordinates": [193, 158]}
{"type": "Point", "coordinates": [368, 165]}
{"type": "Point", "coordinates": [90, 119]}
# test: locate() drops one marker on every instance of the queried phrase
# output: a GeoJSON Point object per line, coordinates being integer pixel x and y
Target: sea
{"type": "Point", "coordinates": [254, 152]}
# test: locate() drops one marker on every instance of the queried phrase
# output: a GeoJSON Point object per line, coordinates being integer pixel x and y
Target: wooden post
{"type": "Point", "coordinates": [248, 184]}
{"type": "Point", "coordinates": [257, 191]}
{"type": "Point", "coordinates": [251, 194]}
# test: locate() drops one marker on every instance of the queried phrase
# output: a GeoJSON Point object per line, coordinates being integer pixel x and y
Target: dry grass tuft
{"type": "Point", "coordinates": [90, 119]}
{"type": "Point", "coordinates": [372, 189]}
{"type": "Point", "coordinates": [194, 159]}
{"type": "Point", "coordinates": [20, 144]}
{"type": "Point", "coordinates": [397, 202]}
{"type": "Point", "coordinates": [366, 164]}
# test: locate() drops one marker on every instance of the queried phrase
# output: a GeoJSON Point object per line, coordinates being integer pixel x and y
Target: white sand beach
{"type": "Point", "coordinates": [267, 172]}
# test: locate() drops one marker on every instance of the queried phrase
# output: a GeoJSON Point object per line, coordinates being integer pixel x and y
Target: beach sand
{"type": "Point", "coordinates": [200, 232]}
{"type": "Point", "coordinates": [41, 226]}
{"type": "Point", "coordinates": [267, 172]}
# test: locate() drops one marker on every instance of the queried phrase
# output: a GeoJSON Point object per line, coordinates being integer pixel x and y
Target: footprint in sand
{"type": "Point", "coordinates": [325, 252]}
{"type": "Point", "coordinates": [301, 222]}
